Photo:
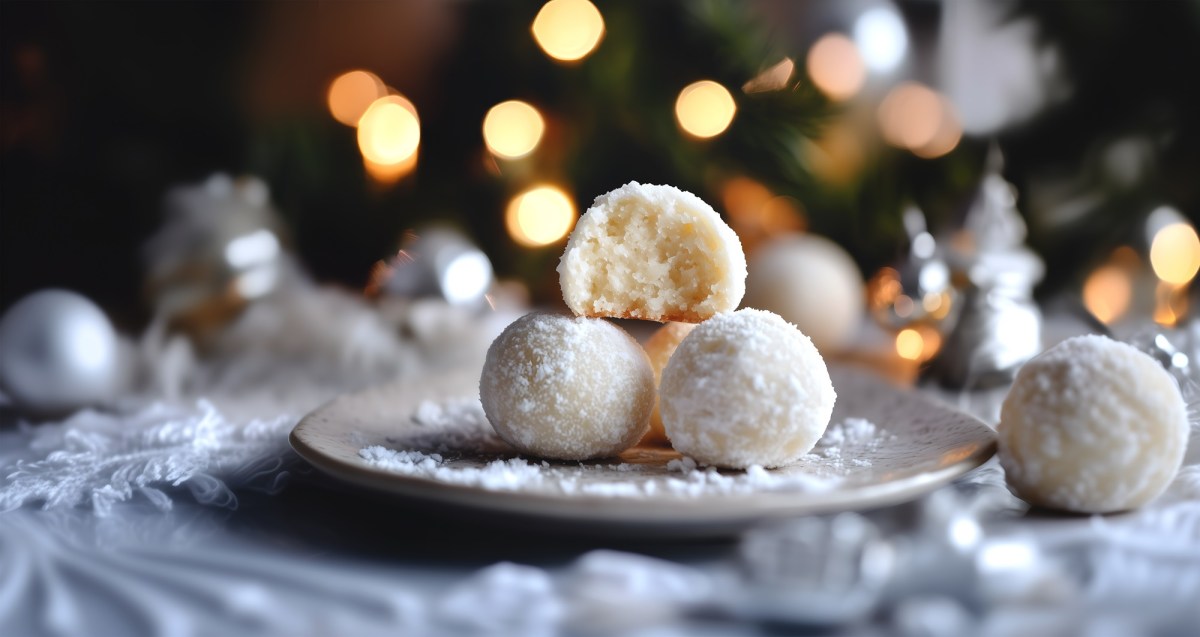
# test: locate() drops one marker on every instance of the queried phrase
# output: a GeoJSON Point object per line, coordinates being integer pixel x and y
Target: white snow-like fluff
{"type": "Point", "coordinates": [652, 252]}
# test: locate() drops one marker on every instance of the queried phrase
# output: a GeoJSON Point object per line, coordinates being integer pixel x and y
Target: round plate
{"type": "Point", "coordinates": [921, 444]}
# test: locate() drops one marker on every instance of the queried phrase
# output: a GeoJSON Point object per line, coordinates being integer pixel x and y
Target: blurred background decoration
{"type": "Point", "coordinates": [501, 121]}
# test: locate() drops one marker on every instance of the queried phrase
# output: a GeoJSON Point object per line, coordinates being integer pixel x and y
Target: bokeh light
{"type": "Point", "coordinates": [540, 216]}
{"type": "Point", "coordinates": [1107, 293]}
{"type": "Point", "coordinates": [568, 30]}
{"type": "Point", "coordinates": [838, 155]}
{"type": "Point", "coordinates": [513, 129]}
{"type": "Point", "coordinates": [918, 343]}
{"type": "Point", "coordinates": [882, 38]}
{"type": "Point", "coordinates": [911, 116]}
{"type": "Point", "coordinates": [757, 214]}
{"type": "Point", "coordinates": [386, 174]}
{"type": "Point", "coordinates": [949, 133]}
{"type": "Point", "coordinates": [835, 66]}
{"type": "Point", "coordinates": [1175, 253]}
{"type": "Point", "coordinates": [909, 344]}
{"type": "Point", "coordinates": [775, 78]}
{"type": "Point", "coordinates": [466, 277]}
{"type": "Point", "coordinates": [705, 109]}
{"type": "Point", "coordinates": [351, 93]}
{"type": "Point", "coordinates": [389, 131]}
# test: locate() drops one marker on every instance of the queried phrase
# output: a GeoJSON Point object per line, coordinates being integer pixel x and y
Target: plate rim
{"type": "Point", "coordinates": [717, 510]}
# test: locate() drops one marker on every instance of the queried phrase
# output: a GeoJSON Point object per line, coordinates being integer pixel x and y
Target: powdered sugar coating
{"type": "Point", "coordinates": [659, 348]}
{"type": "Point", "coordinates": [746, 388]}
{"type": "Point", "coordinates": [567, 388]}
{"type": "Point", "coordinates": [652, 252]}
{"type": "Point", "coordinates": [1092, 425]}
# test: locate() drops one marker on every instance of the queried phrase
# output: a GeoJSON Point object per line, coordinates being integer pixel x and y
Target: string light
{"type": "Point", "coordinates": [540, 216]}
{"type": "Point", "coordinates": [513, 129]}
{"type": "Point", "coordinates": [910, 115]}
{"type": "Point", "coordinates": [909, 344]}
{"type": "Point", "coordinates": [949, 134]}
{"type": "Point", "coordinates": [389, 173]}
{"type": "Point", "coordinates": [918, 343]}
{"type": "Point", "coordinates": [882, 38]}
{"type": "Point", "coordinates": [351, 93]}
{"type": "Point", "coordinates": [835, 66]}
{"type": "Point", "coordinates": [1175, 253]}
{"type": "Point", "coordinates": [775, 78]}
{"type": "Point", "coordinates": [705, 109]}
{"type": "Point", "coordinates": [389, 132]}
{"type": "Point", "coordinates": [918, 118]}
{"type": "Point", "coordinates": [1107, 293]}
{"type": "Point", "coordinates": [568, 30]}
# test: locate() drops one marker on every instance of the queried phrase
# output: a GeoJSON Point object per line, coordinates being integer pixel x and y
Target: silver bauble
{"type": "Point", "coordinates": [437, 262]}
{"type": "Point", "coordinates": [220, 248]}
{"type": "Point", "coordinates": [58, 352]}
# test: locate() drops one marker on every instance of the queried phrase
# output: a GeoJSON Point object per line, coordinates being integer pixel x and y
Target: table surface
{"type": "Point", "coordinates": [318, 558]}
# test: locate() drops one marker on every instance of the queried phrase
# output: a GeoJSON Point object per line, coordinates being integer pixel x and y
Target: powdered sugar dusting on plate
{"type": "Point", "coordinates": [453, 444]}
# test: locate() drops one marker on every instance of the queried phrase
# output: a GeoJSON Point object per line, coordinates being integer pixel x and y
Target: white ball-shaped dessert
{"type": "Point", "coordinates": [811, 282]}
{"type": "Point", "coordinates": [652, 252]}
{"type": "Point", "coordinates": [746, 388]}
{"type": "Point", "coordinates": [567, 388]}
{"type": "Point", "coordinates": [1092, 425]}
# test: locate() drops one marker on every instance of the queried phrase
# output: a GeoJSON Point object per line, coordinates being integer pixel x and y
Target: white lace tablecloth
{"type": "Point", "coordinates": [193, 517]}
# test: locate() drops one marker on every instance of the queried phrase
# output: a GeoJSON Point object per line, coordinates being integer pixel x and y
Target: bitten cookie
{"type": "Point", "coordinates": [566, 387]}
{"type": "Point", "coordinates": [746, 388]}
{"type": "Point", "coordinates": [1092, 425]}
{"type": "Point", "coordinates": [652, 252]}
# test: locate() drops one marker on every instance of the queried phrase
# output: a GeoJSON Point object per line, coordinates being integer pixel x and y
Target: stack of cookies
{"type": "Point", "coordinates": [728, 388]}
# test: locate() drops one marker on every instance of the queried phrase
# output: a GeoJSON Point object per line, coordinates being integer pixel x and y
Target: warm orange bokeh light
{"type": "Point", "coordinates": [1175, 253]}
{"type": "Point", "coordinates": [1107, 293]}
{"type": "Point", "coordinates": [386, 174]}
{"type": "Point", "coordinates": [389, 132]}
{"type": "Point", "coordinates": [949, 134]}
{"type": "Point", "coordinates": [705, 109]}
{"type": "Point", "coordinates": [513, 129]}
{"type": "Point", "coordinates": [568, 30]}
{"type": "Point", "coordinates": [919, 343]}
{"type": "Point", "coordinates": [540, 216]}
{"type": "Point", "coordinates": [835, 66]}
{"type": "Point", "coordinates": [351, 93]}
{"type": "Point", "coordinates": [910, 344]}
{"type": "Point", "coordinates": [743, 197]}
{"type": "Point", "coordinates": [910, 116]}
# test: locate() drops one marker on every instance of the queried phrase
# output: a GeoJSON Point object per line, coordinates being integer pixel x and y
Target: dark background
{"type": "Point", "coordinates": [103, 106]}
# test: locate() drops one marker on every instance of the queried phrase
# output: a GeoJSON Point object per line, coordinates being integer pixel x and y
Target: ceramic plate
{"type": "Point", "coordinates": [916, 444]}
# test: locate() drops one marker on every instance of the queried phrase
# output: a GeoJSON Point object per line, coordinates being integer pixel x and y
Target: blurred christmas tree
{"type": "Point", "coordinates": [107, 107]}
{"type": "Point", "coordinates": [1125, 140]}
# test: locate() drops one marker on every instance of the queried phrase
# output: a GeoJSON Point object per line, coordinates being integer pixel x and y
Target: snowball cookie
{"type": "Point", "coordinates": [567, 388]}
{"type": "Point", "coordinates": [659, 348]}
{"type": "Point", "coordinates": [652, 252]}
{"type": "Point", "coordinates": [809, 281]}
{"type": "Point", "coordinates": [746, 388]}
{"type": "Point", "coordinates": [1092, 425]}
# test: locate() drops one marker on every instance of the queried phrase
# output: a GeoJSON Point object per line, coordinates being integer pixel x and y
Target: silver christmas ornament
{"type": "Point", "coordinates": [826, 571]}
{"type": "Point", "coordinates": [814, 571]}
{"type": "Point", "coordinates": [58, 352]}
{"type": "Point", "coordinates": [436, 262]}
{"type": "Point", "coordinates": [221, 246]}
{"type": "Point", "coordinates": [919, 289]}
{"type": "Point", "coordinates": [999, 326]}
